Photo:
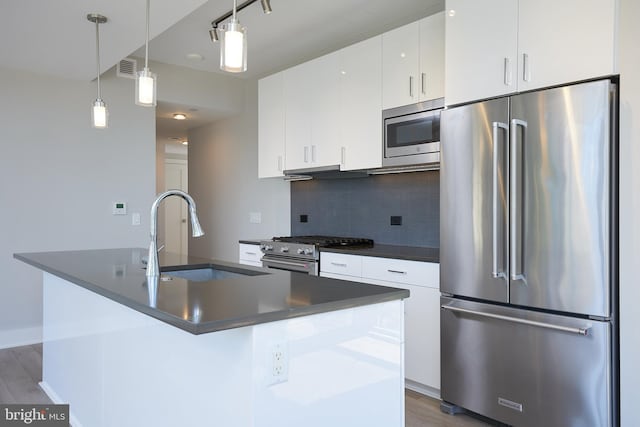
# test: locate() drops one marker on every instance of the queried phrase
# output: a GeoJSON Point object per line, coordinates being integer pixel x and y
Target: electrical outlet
{"type": "Point", "coordinates": [396, 220]}
{"type": "Point", "coordinates": [304, 218]}
{"type": "Point", "coordinates": [279, 364]}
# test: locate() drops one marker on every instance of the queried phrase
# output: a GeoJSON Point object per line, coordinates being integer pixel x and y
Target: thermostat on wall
{"type": "Point", "coordinates": [119, 208]}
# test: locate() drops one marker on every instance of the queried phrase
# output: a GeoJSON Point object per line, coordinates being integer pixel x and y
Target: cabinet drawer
{"type": "Point", "coordinates": [402, 271]}
{"type": "Point", "coordinates": [250, 253]}
{"type": "Point", "coordinates": [350, 265]}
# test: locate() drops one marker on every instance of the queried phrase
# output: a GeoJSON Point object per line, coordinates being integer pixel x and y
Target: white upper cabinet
{"type": "Point", "coordinates": [360, 107]}
{"type": "Point", "coordinates": [497, 47]}
{"type": "Point", "coordinates": [481, 49]}
{"type": "Point", "coordinates": [271, 148]}
{"type": "Point", "coordinates": [312, 125]}
{"type": "Point", "coordinates": [400, 62]}
{"type": "Point", "coordinates": [431, 76]}
{"type": "Point", "coordinates": [413, 62]}
{"type": "Point", "coordinates": [564, 41]}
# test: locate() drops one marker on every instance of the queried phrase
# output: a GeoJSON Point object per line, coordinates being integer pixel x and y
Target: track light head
{"type": "Point", "coordinates": [213, 33]}
{"type": "Point", "coordinates": [266, 6]}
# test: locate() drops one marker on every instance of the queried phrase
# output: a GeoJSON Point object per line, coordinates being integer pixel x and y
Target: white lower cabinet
{"type": "Point", "coordinates": [422, 308]}
{"type": "Point", "coordinates": [250, 255]}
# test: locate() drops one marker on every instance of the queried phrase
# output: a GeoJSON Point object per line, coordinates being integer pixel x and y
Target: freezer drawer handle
{"type": "Point", "coordinates": [397, 271]}
{"type": "Point", "coordinates": [579, 331]}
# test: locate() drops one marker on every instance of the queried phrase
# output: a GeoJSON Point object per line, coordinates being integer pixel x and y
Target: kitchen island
{"type": "Point", "coordinates": [248, 347]}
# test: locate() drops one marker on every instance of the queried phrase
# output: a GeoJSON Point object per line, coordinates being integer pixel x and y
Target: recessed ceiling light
{"type": "Point", "coordinates": [179, 116]}
{"type": "Point", "coordinates": [185, 142]}
{"type": "Point", "coordinates": [194, 57]}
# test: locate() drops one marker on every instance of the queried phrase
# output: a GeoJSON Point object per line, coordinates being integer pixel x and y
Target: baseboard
{"type": "Point", "coordinates": [73, 421]}
{"type": "Point", "coordinates": [422, 389]}
{"type": "Point", "coordinates": [19, 337]}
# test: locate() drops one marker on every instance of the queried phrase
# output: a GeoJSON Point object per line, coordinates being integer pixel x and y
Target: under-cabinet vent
{"type": "Point", "coordinates": [127, 67]}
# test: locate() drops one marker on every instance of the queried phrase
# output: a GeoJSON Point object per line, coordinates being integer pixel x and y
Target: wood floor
{"type": "Point", "coordinates": [21, 371]}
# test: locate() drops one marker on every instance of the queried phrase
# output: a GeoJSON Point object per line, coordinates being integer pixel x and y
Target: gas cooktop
{"type": "Point", "coordinates": [325, 241]}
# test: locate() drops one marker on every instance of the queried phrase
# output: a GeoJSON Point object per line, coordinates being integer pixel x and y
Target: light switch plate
{"type": "Point", "coordinates": [255, 217]}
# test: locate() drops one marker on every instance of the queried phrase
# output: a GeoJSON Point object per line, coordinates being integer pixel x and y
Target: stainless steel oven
{"type": "Point", "coordinates": [302, 253]}
{"type": "Point", "coordinates": [412, 133]}
{"type": "Point", "coordinates": [290, 264]}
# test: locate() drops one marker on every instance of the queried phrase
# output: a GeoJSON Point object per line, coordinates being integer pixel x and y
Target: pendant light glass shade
{"type": "Point", "coordinates": [233, 49]}
{"type": "Point", "coordinates": [99, 114]}
{"type": "Point", "coordinates": [146, 80]}
{"type": "Point", "coordinates": [146, 88]}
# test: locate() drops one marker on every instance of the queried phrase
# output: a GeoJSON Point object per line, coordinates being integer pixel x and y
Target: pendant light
{"type": "Point", "coordinates": [233, 49]}
{"type": "Point", "coordinates": [146, 80]}
{"type": "Point", "coordinates": [99, 113]}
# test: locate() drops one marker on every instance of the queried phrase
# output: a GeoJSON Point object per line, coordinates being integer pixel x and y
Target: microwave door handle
{"type": "Point", "coordinates": [516, 221]}
{"type": "Point", "coordinates": [498, 270]}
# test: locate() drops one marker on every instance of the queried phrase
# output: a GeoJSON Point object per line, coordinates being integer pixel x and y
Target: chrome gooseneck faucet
{"type": "Point", "coordinates": [153, 267]}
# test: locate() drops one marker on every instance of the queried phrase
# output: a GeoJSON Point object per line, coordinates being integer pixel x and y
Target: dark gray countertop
{"type": "Point", "coordinates": [412, 253]}
{"type": "Point", "coordinates": [251, 241]}
{"type": "Point", "coordinates": [201, 307]}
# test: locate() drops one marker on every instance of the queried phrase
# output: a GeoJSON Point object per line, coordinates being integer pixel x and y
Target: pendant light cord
{"type": "Point", "coordinates": [146, 45]}
{"type": "Point", "coordinates": [235, 4]}
{"type": "Point", "coordinates": [98, 55]}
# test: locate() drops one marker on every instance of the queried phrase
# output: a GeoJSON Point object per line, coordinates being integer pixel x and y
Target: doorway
{"type": "Point", "coordinates": [175, 210]}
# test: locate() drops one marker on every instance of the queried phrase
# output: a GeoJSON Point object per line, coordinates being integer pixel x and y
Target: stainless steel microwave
{"type": "Point", "coordinates": [412, 133]}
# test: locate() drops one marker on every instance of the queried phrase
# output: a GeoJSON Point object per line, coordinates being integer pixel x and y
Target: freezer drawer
{"type": "Point", "coordinates": [526, 368]}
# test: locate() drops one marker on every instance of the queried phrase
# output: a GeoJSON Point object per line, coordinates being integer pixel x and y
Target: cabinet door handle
{"type": "Point", "coordinates": [306, 154]}
{"type": "Point", "coordinates": [526, 73]}
{"type": "Point", "coordinates": [313, 154]}
{"type": "Point", "coordinates": [343, 155]}
{"type": "Point", "coordinates": [397, 271]}
{"type": "Point", "coordinates": [338, 264]}
{"type": "Point", "coordinates": [424, 83]}
{"type": "Point", "coordinates": [411, 86]}
{"type": "Point", "coordinates": [507, 71]}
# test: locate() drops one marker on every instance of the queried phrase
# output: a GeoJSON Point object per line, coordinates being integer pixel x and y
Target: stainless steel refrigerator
{"type": "Point", "coordinates": [528, 257]}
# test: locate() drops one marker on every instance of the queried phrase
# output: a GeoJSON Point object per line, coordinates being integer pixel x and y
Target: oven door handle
{"type": "Point", "coordinates": [301, 266]}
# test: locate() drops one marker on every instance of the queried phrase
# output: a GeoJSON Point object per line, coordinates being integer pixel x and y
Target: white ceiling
{"type": "Point", "coordinates": [54, 37]}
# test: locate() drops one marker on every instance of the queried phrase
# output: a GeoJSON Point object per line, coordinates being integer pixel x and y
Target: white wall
{"type": "Point", "coordinates": [59, 178]}
{"type": "Point", "coordinates": [223, 179]}
{"type": "Point", "coordinates": [629, 210]}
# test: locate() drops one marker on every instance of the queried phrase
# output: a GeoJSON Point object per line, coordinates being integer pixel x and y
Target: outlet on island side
{"type": "Point", "coordinates": [279, 364]}
{"type": "Point", "coordinates": [304, 218]}
{"type": "Point", "coordinates": [396, 220]}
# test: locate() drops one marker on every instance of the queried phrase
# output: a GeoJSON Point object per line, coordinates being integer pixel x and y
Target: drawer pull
{"type": "Point", "coordinates": [250, 253]}
{"type": "Point", "coordinates": [338, 264]}
{"type": "Point", "coordinates": [397, 271]}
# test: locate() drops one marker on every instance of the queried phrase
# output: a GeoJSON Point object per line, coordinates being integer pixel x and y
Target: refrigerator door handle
{"type": "Point", "coordinates": [517, 271]}
{"type": "Point", "coordinates": [497, 271]}
{"type": "Point", "coordinates": [574, 330]}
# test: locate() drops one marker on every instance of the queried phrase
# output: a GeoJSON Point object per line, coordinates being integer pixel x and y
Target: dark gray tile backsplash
{"type": "Point", "coordinates": [363, 207]}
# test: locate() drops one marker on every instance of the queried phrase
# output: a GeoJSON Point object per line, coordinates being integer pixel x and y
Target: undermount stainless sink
{"type": "Point", "coordinates": [205, 274]}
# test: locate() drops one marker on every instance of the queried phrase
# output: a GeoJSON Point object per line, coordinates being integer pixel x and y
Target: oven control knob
{"type": "Point", "coordinates": [284, 249]}
{"type": "Point", "coordinates": [300, 251]}
{"type": "Point", "coordinates": [308, 251]}
{"type": "Point", "coordinates": [266, 247]}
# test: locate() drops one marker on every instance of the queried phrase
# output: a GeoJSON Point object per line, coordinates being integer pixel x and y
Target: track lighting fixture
{"type": "Point", "coordinates": [233, 48]}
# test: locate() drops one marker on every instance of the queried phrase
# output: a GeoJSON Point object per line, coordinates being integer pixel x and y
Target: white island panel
{"type": "Point", "coordinates": [116, 366]}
